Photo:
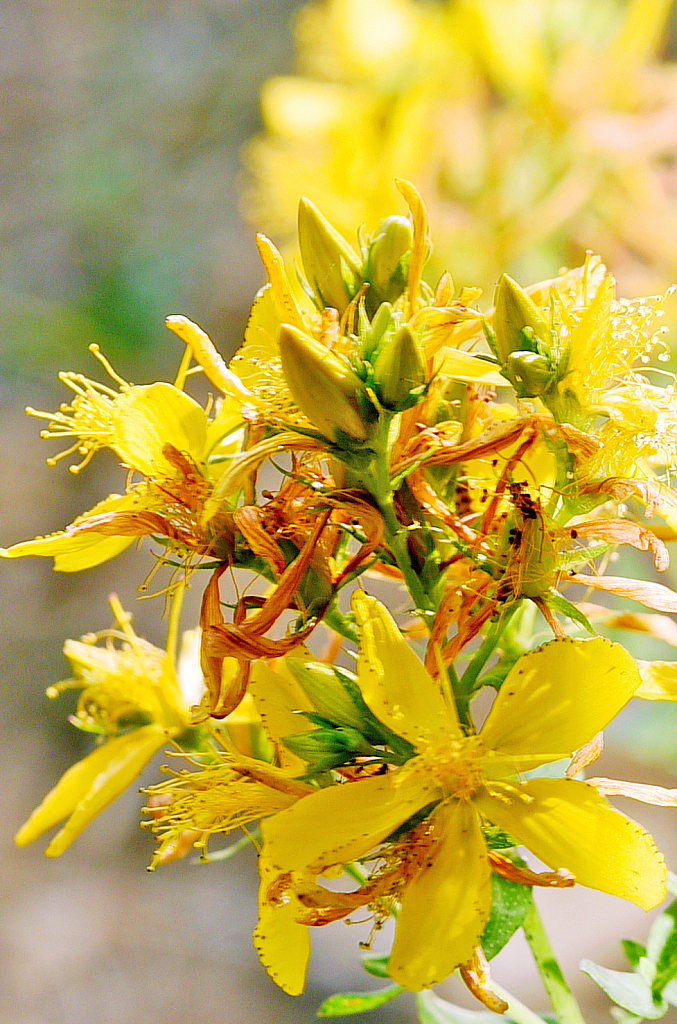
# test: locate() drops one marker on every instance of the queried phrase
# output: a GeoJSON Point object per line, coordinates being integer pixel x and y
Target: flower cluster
{"type": "Point", "coordinates": [379, 430]}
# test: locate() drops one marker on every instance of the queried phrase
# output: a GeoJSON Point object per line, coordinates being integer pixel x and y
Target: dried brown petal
{"type": "Point", "coordinates": [477, 978]}
{"type": "Point", "coordinates": [653, 595]}
{"type": "Point", "coordinates": [624, 531]}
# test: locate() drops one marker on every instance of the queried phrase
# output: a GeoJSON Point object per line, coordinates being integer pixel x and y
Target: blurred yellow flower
{"type": "Point", "coordinates": [535, 129]}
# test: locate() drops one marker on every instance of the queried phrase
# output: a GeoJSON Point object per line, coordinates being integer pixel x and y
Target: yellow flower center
{"type": "Point", "coordinates": [456, 765]}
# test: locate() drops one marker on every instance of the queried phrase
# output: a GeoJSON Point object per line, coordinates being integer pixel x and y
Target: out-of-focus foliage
{"type": "Point", "coordinates": [122, 125]}
{"type": "Point", "coordinates": [535, 130]}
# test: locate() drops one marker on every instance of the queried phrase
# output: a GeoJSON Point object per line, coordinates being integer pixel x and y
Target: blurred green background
{"type": "Point", "coordinates": [120, 129]}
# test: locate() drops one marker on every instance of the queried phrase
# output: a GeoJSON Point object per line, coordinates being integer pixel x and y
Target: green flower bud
{"type": "Point", "coordinates": [519, 326]}
{"type": "Point", "coordinates": [388, 264]}
{"type": "Point", "coordinates": [333, 693]}
{"type": "Point", "coordinates": [371, 333]}
{"type": "Point", "coordinates": [331, 266]}
{"type": "Point", "coordinates": [400, 371]}
{"type": "Point", "coordinates": [530, 374]}
{"type": "Point", "coordinates": [324, 749]}
{"type": "Point", "coordinates": [325, 388]}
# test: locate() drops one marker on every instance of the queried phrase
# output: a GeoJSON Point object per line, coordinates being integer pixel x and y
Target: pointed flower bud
{"type": "Point", "coordinates": [520, 333]}
{"type": "Point", "coordinates": [330, 264]}
{"type": "Point", "coordinates": [333, 693]}
{"type": "Point", "coordinates": [388, 263]}
{"type": "Point", "coordinates": [518, 323]}
{"type": "Point", "coordinates": [400, 371]}
{"type": "Point", "coordinates": [324, 749]}
{"type": "Point", "coordinates": [325, 388]}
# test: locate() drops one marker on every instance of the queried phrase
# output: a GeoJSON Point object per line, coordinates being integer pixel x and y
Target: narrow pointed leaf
{"type": "Point", "coordinates": [343, 1004]}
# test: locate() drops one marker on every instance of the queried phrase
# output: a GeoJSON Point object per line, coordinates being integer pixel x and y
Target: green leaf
{"type": "Point", "coordinates": [376, 965]}
{"type": "Point", "coordinates": [345, 1003]}
{"type": "Point", "coordinates": [572, 559]}
{"type": "Point", "coordinates": [633, 950]}
{"type": "Point", "coordinates": [669, 993]}
{"type": "Point", "coordinates": [510, 904]}
{"type": "Point", "coordinates": [662, 948]}
{"type": "Point", "coordinates": [560, 604]}
{"type": "Point", "coordinates": [626, 989]}
{"type": "Point", "coordinates": [433, 1010]}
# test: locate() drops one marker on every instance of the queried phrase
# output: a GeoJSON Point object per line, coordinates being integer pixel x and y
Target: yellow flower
{"type": "Point", "coordinates": [161, 434]}
{"type": "Point", "coordinates": [132, 698]}
{"type": "Point", "coordinates": [233, 788]}
{"type": "Point", "coordinates": [528, 124]}
{"type": "Point", "coordinates": [554, 700]}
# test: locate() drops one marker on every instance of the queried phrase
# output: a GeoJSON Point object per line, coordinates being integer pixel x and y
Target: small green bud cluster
{"type": "Point", "coordinates": [345, 400]}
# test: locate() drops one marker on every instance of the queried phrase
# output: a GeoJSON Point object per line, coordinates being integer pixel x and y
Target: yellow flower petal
{"type": "Point", "coordinates": [659, 680]}
{"type": "Point", "coordinates": [343, 822]}
{"type": "Point", "coordinates": [559, 696]}
{"type": "Point", "coordinates": [90, 785]}
{"type": "Point", "coordinates": [445, 907]}
{"type": "Point", "coordinates": [146, 418]}
{"type": "Point", "coordinates": [74, 552]}
{"type": "Point", "coordinates": [394, 683]}
{"type": "Point", "coordinates": [283, 945]}
{"type": "Point", "coordinates": [204, 353]}
{"type": "Point", "coordinates": [460, 365]}
{"type": "Point", "coordinates": [567, 824]}
{"type": "Point", "coordinates": [279, 698]}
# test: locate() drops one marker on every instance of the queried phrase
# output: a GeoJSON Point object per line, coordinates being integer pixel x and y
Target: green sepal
{"type": "Point", "coordinates": [559, 604]}
{"type": "Point", "coordinates": [661, 949]}
{"type": "Point", "coordinates": [377, 966]}
{"type": "Point", "coordinates": [530, 374]}
{"type": "Point", "coordinates": [634, 951]}
{"type": "Point", "coordinates": [327, 748]}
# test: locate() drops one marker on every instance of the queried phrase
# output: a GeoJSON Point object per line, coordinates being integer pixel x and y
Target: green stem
{"type": "Point", "coordinates": [377, 480]}
{"type": "Point", "coordinates": [517, 1011]}
{"type": "Point", "coordinates": [562, 998]}
{"type": "Point", "coordinates": [174, 619]}
{"type": "Point", "coordinates": [396, 538]}
{"type": "Point", "coordinates": [467, 681]}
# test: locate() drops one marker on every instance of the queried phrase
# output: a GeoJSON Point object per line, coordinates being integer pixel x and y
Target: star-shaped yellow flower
{"type": "Point", "coordinates": [175, 451]}
{"type": "Point", "coordinates": [132, 697]}
{"type": "Point", "coordinates": [553, 701]}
